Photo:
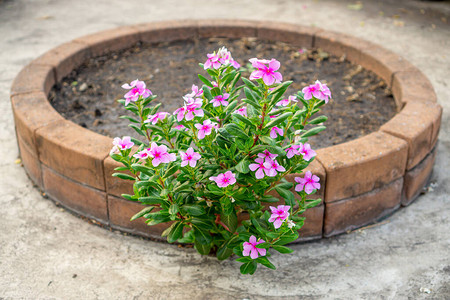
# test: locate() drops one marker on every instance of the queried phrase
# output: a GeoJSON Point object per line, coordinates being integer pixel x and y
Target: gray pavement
{"type": "Point", "coordinates": [46, 252]}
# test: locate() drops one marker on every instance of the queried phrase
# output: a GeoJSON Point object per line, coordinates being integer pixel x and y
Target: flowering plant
{"type": "Point", "coordinates": [210, 168]}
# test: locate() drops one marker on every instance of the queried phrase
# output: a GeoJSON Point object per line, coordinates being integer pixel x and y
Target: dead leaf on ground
{"type": "Point", "coordinates": [399, 23]}
{"type": "Point", "coordinates": [356, 6]}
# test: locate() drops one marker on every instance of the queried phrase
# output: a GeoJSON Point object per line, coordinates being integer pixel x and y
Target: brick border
{"type": "Point", "coordinates": [362, 180]}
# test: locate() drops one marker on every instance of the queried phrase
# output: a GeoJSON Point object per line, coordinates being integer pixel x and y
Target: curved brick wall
{"type": "Point", "coordinates": [363, 180]}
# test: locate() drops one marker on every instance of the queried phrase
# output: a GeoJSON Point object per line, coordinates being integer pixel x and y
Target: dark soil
{"type": "Point", "coordinates": [361, 102]}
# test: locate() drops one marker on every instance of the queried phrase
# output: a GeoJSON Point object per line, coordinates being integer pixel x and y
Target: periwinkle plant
{"type": "Point", "coordinates": [209, 166]}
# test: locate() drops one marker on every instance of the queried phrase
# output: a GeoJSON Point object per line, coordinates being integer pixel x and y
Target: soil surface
{"type": "Point", "coordinates": [361, 102]}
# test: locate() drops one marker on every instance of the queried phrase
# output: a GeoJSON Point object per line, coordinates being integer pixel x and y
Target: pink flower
{"type": "Point", "coordinates": [204, 129]}
{"type": "Point", "coordinates": [226, 59]}
{"type": "Point", "coordinates": [124, 143]}
{"type": "Point", "coordinates": [274, 168]}
{"type": "Point", "coordinates": [307, 152]}
{"type": "Point", "coordinates": [160, 154]}
{"type": "Point", "coordinates": [137, 89]}
{"type": "Point", "coordinates": [310, 91]}
{"type": "Point", "coordinates": [212, 61]}
{"type": "Point", "coordinates": [317, 90]}
{"type": "Point", "coordinates": [250, 248]}
{"type": "Point", "coordinates": [325, 92]}
{"type": "Point", "coordinates": [144, 154]}
{"type": "Point", "coordinates": [293, 150]}
{"type": "Point", "coordinates": [285, 102]}
{"type": "Point", "coordinates": [156, 117]}
{"type": "Point", "coordinates": [190, 157]}
{"type": "Point", "coordinates": [242, 111]}
{"type": "Point", "coordinates": [267, 73]}
{"type": "Point", "coordinates": [180, 113]}
{"type": "Point", "coordinates": [279, 214]}
{"type": "Point", "coordinates": [274, 131]}
{"type": "Point", "coordinates": [220, 100]}
{"type": "Point", "coordinates": [181, 127]}
{"type": "Point", "coordinates": [194, 109]}
{"type": "Point", "coordinates": [214, 84]}
{"type": "Point", "coordinates": [267, 155]}
{"type": "Point", "coordinates": [224, 179]}
{"type": "Point", "coordinates": [309, 183]}
{"type": "Point", "coordinates": [195, 92]}
{"type": "Point", "coordinates": [260, 167]}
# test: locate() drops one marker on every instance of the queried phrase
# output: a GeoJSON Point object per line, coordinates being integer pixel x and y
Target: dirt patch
{"type": "Point", "coordinates": [361, 102]}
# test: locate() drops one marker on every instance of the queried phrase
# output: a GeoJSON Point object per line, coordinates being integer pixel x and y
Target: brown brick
{"type": "Point", "coordinates": [31, 112]}
{"type": "Point", "coordinates": [31, 163]}
{"type": "Point", "coordinates": [417, 178]}
{"type": "Point", "coordinates": [73, 151]}
{"type": "Point", "coordinates": [34, 78]}
{"type": "Point", "coordinates": [77, 197]}
{"type": "Point", "coordinates": [168, 31]}
{"type": "Point", "coordinates": [116, 186]}
{"type": "Point", "coordinates": [418, 124]}
{"type": "Point", "coordinates": [312, 229]}
{"type": "Point", "coordinates": [226, 28]}
{"type": "Point", "coordinates": [65, 58]}
{"type": "Point", "coordinates": [110, 40]}
{"type": "Point", "coordinates": [341, 44]}
{"type": "Point", "coordinates": [352, 213]}
{"type": "Point", "coordinates": [120, 213]}
{"type": "Point", "coordinates": [412, 85]}
{"type": "Point", "coordinates": [361, 165]}
{"type": "Point", "coordinates": [295, 35]}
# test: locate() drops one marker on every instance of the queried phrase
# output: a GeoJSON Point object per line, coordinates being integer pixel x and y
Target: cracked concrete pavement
{"type": "Point", "coordinates": [46, 252]}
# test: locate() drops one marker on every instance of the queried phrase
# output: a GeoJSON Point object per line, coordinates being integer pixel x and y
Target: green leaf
{"type": "Point", "coordinates": [143, 212]}
{"type": "Point", "coordinates": [151, 200]}
{"type": "Point", "coordinates": [249, 84]}
{"type": "Point", "coordinates": [123, 176]}
{"type": "Point", "coordinates": [313, 131]}
{"type": "Point", "coordinates": [278, 92]}
{"type": "Point", "coordinates": [269, 199]}
{"type": "Point", "coordinates": [224, 252]}
{"type": "Point", "coordinates": [248, 268]}
{"type": "Point", "coordinates": [313, 203]}
{"type": "Point", "coordinates": [137, 129]}
{"type": "Point", "coordinates": [242, 166]}
{"type": "Point", "coordinates": [278, 120]}
{"type": "Point", "coordinates": [176, 232]}
{"type": "Point", "coordinates": [187, 238]}
{"type": "Point", "coordinates": [282, 249]}
{"type": "Point", "coordinates": [172, 170]}
{"type": "Point", "coordinates": [201, 248]}
{"type": "Point", "coordinates": [202, 236]}
{"type": "Point", "coordinates": [143, 169]}
{"type": "Point", "coordinates": [243, 120]}
{"type": "Point", "coordinates": [194, 210]}
{"type": "Point", "coordinates": [207, 93]}
{"type": "Point", "coordinates": [235, 130]}
{"type": "Point", "coordinates": [250, 95]}
{"type": "Point", "coordinates": [130, 197]}
{"type": "Point", "coordinates": [287, 195]}
{"type": "Point", "coordinates": [265, 262]}
{"type": "Point", "coordinates": [202, 223]}
{"type": "Point", "coordinates": [253, 103]}
{"type": "Point", "coordinates": [129, 119]}
{"type": "Point", "coordinates": [319, 120]}
{"type": "Point", "coordinates": [184, 187]}
{"type": "Point", "coordinates": [174, 209]}
{"type": "Point", "coordinates": [265, 245]}
{"type": "Point", "coordinates": [230, 220]}
{"type": "Point", "coordinates": [205, 81]}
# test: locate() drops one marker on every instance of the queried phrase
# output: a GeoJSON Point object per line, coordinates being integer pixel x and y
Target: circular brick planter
{"type": "Point", "coordinates": [363, 180]}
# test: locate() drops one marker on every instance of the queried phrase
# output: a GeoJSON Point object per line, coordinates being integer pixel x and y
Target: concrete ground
{"type": "Point", "coordinates": [46, 252]}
